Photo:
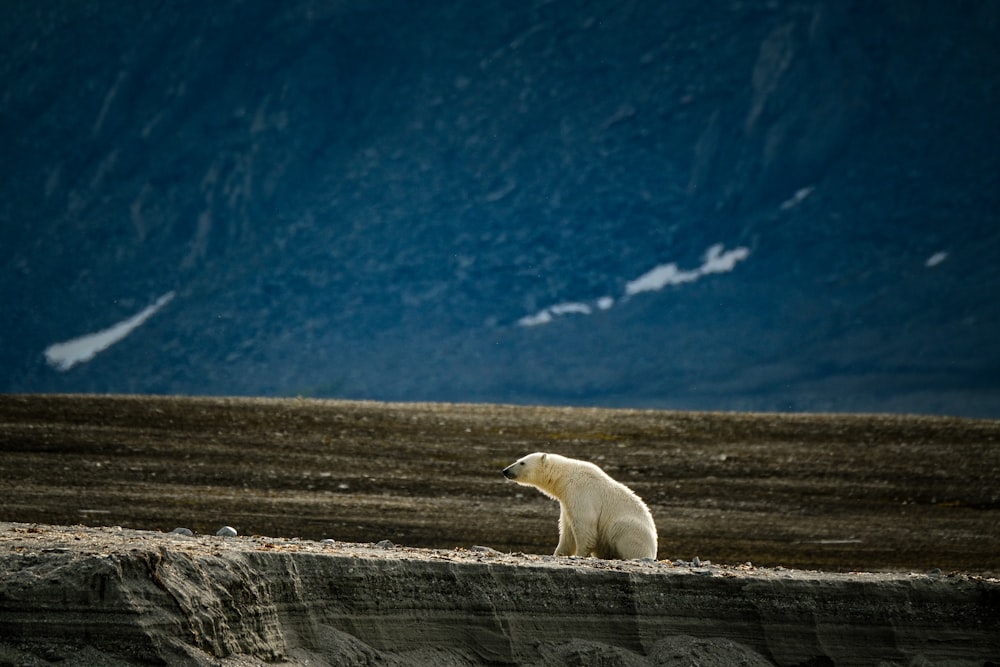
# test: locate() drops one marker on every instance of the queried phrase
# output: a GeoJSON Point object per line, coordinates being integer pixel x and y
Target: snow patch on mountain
{"type": "Point", "coordinates": [716, 260]}
{"type": "Point", "coordinates": [800, 196]}
{"type": "Point", "coordinates": [936, 259]}
{"type": "Point", "coordinates": [66, 355]}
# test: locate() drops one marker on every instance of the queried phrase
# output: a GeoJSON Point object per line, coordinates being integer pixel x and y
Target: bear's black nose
{"type": "Point", "coordinates": [508, 473]}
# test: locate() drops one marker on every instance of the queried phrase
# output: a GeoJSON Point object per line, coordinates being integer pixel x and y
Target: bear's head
{"type": "Point", "coordinates": [526, 470]}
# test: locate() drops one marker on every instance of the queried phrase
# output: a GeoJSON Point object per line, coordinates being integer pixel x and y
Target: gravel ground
{"type": "Point", "coordinates": [832, 492]}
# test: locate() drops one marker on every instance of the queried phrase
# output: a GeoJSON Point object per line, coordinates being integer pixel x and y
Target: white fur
{"type": "Point", "coordinates": [598, 516]}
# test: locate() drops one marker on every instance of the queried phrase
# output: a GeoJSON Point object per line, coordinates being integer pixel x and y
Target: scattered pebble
{"type": "Point", "coordinates": [227, 531]}
{"type": "Point", "coordinates": [385, 544]}
{"type": "Point", "coordinates": [328, 541]}
{"type": "Point", "coordinates": [484, 550]}
{"type": "Point", "coordinates": [696, 561]}
{"type": "Point", "coordinates": [183, 531]}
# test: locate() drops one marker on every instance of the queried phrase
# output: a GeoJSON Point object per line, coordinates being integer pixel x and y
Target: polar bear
{"type": "Point", "coordinates": [597, 515]}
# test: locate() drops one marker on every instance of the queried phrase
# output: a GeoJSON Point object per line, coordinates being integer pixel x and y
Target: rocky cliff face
{"type": "Point", "coordinates": [113, 597]}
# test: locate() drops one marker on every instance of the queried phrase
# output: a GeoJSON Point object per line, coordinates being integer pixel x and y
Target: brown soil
{"type": "Point", "coordinates": [809, 491]}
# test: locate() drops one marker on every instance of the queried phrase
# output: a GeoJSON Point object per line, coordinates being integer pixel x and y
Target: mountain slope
{"type": "Point", "coordinates": [365, 199]}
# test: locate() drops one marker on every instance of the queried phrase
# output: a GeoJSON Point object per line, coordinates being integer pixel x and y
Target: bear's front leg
{"type": "Point", "coordinates": [567, 539]}
{"type": "Point", "coordinates": [586, 541]}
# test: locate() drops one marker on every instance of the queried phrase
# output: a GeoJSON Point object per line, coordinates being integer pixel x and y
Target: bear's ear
{"type": "Point", "coordinates": [543, 457]}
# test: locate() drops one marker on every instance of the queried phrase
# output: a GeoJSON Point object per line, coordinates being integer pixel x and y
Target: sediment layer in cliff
{"type": "Point", "coordinates": [116, 596]}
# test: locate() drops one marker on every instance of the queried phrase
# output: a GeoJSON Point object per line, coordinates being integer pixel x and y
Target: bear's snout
{"type": "Point", "coordinates": [509, 473]}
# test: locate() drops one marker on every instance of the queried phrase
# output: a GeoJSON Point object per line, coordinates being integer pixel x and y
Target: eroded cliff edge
{"type": "Point", "coordinates": [115, 596]}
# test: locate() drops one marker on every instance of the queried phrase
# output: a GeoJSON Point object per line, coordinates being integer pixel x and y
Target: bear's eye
{"type": "Point", "coordinates": [521, 463]}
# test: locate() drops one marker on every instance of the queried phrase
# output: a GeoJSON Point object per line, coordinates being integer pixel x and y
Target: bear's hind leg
{"type": "Point", "coordinates": [632, 540]}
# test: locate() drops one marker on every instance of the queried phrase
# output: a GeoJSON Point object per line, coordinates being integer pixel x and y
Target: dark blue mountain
{"type": "Point", "coordinates": [738, 206]}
